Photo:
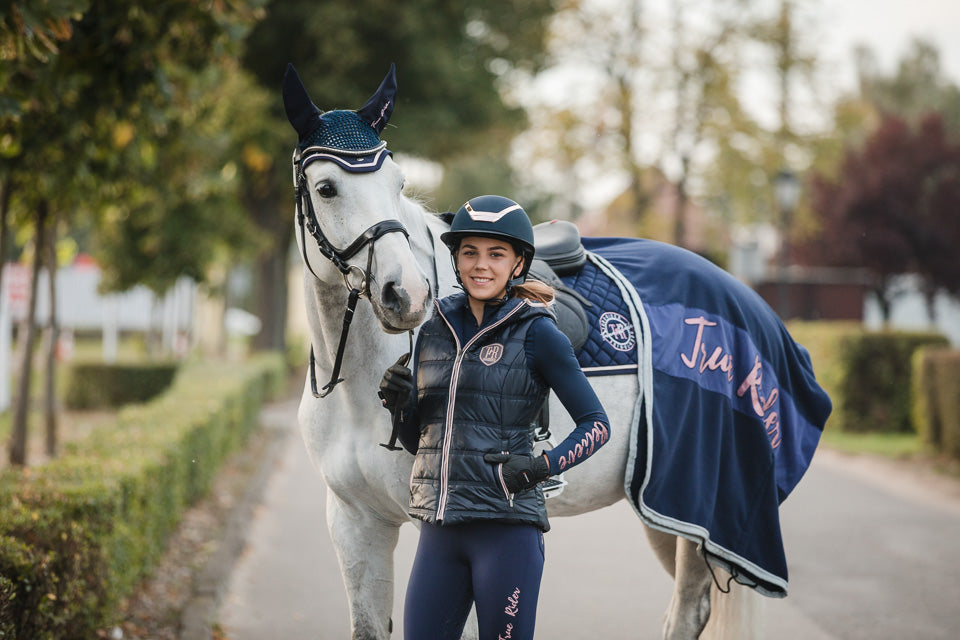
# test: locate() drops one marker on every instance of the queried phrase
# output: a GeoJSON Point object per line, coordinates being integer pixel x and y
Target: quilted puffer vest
{"type": "Point", "coordinates": [473, 399]}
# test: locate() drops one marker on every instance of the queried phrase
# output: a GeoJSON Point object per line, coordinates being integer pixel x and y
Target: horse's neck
{"type": "Point", "coordinates": [326, 303]}
{"type": "Point", "coordinates": [441, 267]}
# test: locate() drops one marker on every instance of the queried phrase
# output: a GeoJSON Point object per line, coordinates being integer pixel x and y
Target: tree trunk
{"type": "Point", "coordinates": [930, 300]}
{"type": "Point", "coordinates": [53, 337]}
{"type": "Point", "coordinates": [18, 435]}
{"type": "Point", "coordinates": [271, 301]}
{"type": "Point", "coordinates": [680, 206]}
{"type": "Point", "coordinates": [6, 189]}
{"type": "Point", "coordinates": [883, 299]}
{"type": "Point", "coordinates": [270, 275]}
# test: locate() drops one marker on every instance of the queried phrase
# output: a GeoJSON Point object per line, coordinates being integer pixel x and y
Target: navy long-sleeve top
{"type": "Point", "coordinates": [551, 357]}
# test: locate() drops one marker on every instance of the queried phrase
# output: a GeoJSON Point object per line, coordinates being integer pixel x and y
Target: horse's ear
{"type": "Point", "coordinates": [301, 112]}
{"type": "Point", "coordinates": [380, 105]}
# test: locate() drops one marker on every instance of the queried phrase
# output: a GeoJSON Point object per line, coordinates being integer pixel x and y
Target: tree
{"type": "Point", "coordinates": [28, 40]}
{"type": "Point", "coordinates": [918, 87]}
{"type": "Point", "coordinates": [706, 110]}
{"type": "Point", "coordinates": [656, 99]}
{"type": "Point", "coordinates": [449, 56]}
{"type": "Point", "coordinates": [590, 125]}
{"type": "Point", "coordinates": [112, 74]}
{"type": "Point", "coordinates": [892, 209]}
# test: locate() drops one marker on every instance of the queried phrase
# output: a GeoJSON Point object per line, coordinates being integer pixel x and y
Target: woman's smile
{"type": "Point", "coordinates": [486, 266]}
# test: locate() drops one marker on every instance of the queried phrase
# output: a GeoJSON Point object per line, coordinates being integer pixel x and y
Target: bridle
{"type": "Point", "coordinates": [308, 223]}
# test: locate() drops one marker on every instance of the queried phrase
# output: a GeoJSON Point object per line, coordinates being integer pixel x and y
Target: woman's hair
{"type": "Point", "coordinates": [535, 291]}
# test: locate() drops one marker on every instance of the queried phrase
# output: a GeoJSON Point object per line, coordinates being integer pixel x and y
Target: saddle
{"type": "Point", "coordinates": [560, 253]}
{"type": "Point", "coordinates": [558, 244]}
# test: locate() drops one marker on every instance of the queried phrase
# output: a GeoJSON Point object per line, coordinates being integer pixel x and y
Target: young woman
{"type": "Point", "coordinates": [484, 363]}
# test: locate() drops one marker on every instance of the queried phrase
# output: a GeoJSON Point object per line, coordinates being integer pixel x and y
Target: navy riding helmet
{"type": "Point", "coordinates": [494, 217]}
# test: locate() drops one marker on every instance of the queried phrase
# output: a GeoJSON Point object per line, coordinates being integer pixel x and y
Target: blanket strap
{"type": "Point", "coordinates": [733, 574]}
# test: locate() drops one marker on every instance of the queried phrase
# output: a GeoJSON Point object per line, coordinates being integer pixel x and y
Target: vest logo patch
{"type": "Point", "coordinates": [617, 331]}
{"type": "Point", "coordinates": [491, 353]}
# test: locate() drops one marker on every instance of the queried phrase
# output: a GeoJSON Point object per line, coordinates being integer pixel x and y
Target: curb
{"type": "Point", "coordinates": [209, 583]}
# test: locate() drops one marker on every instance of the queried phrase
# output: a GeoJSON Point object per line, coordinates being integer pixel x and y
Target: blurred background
{"type": "Point", "coordinates": [811, 148]}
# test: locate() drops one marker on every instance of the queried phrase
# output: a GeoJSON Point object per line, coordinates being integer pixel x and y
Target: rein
{"type": "Point", "coordinates": [308, 223]}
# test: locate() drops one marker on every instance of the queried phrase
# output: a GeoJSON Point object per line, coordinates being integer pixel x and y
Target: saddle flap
{"type": "Point", "coordinates": [558, 244]}
{"type": "Point", "coordinates": [568, 305]}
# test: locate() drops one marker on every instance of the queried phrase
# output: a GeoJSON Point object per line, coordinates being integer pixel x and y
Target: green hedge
{"type": "Point", "coordinates": [95, 385]}
{"type": "Point", "coordinates": [924, 414]}
{"type": "Point", "coordinates": [876, 389]}
{"type": "Point", "coordinates": [936, 398]}
{"type": "Point", "coordinates": [77, 534]}
{"type": "Point", "coordinates": [868, 374]}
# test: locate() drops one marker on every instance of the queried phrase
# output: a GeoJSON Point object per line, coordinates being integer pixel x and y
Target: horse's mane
{"type": "Point", "coordinates": [420, 201]}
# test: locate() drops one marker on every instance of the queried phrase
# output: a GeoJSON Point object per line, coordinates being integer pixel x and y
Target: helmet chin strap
{"type": "Point", "coordinates": [514, 281]}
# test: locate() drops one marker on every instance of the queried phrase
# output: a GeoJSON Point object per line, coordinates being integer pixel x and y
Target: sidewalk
{"type": "Point", "coordinates": [286, 582]}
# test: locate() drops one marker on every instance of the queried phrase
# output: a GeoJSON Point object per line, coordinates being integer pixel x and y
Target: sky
{"type": "Point", "coordinates": [888, 26]}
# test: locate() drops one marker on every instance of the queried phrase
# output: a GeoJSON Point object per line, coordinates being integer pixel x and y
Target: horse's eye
{"type": "Point", "coordinates": [327, 190]}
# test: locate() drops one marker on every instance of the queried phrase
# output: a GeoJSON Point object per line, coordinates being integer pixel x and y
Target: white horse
{"type": "Point", "coordinates": [399, 274]}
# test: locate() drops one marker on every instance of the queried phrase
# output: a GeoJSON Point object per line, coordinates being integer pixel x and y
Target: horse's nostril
{"type": "Point", "coordinates": [392, 297]}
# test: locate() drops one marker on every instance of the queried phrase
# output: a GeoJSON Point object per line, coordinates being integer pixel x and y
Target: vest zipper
{"type": "Point", "coordinates": [503, 483]}
{"type": "Point", "coordinates": [451, 402]}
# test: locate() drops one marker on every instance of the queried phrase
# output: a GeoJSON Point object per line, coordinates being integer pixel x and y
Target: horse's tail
{"type": "Point", "coordinates": [737, 615]}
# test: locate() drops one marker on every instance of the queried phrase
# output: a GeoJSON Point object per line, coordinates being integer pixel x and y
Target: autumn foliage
{"type": "Point", "coordinates": [894, 208]}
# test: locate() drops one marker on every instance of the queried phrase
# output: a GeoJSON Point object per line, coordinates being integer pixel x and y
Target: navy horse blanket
{"type": "Point", "coordinates": [730, 412]}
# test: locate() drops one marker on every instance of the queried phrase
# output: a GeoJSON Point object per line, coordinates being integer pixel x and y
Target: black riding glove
{"type": "Point", "coordinates": [520, 472]}
{"type": "Point", "coordinates": [397, 383]}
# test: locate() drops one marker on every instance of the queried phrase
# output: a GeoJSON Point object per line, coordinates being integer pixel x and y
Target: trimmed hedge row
{"type": "Point", "coordinates": [77, 534]}
{"type": "Point", "coordinates": [936, 392]}
{"type": "Point", "coordinates": [868, 374]}
{"type": "Point", "coordinates": [876, 390]}
{"type": "Point", "coordinates": [96, 385]}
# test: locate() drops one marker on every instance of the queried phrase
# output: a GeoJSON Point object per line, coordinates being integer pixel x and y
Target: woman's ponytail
{"type": "Point", "coordinates": [535, 291]}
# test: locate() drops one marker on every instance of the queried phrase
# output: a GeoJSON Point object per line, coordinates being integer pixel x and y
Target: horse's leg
{"type": "Point", "coordinates": [364, 544]}
{"type": "Point", "coordinates": [737, 615]}
{"type": "Point", "coordinates": [689, 607]}
{"type": "Point", "coordinates": [664, 546]}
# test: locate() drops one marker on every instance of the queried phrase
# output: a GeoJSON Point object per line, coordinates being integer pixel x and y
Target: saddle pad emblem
{"type": "Point", "coordinates": [617, 331]}
{"type": "Point", "coordinates": [491, 353]}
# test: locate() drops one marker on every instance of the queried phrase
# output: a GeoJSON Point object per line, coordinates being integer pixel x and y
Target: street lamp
{"type": "Point", "coordinates": [786, 190]}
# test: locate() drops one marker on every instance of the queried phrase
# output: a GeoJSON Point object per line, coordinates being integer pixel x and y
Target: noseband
{"type": "Point", "coordinates": [308, 223]}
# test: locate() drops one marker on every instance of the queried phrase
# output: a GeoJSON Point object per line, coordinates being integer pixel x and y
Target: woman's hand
{"type": "Point", "coordinates": [397, 383]}
{"type": "Point", "coordinates": [520, 472]}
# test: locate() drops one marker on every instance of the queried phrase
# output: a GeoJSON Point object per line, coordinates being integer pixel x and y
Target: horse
{"type": "Point", "coordinates": [396, 266]}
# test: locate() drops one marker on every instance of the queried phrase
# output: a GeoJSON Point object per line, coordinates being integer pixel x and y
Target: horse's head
{"type": "Point", "coordinates": [353, 220]}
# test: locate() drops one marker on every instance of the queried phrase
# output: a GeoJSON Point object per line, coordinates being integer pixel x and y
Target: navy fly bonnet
{"type": "Point", "coordinates": [349, 138]}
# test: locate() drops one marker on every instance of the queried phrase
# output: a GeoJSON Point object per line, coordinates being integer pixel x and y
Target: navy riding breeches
{"type": "Point", "coordinates": [495, 565]}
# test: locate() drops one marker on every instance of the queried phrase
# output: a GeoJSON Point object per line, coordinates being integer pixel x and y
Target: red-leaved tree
{"type": "Point", "coordinates": [894, 208]}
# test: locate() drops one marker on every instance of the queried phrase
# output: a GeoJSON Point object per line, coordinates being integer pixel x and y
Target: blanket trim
{"type": "Point", "coordinates": [612, 368]}
{"type": "Point", "coordinates": [729, 561]}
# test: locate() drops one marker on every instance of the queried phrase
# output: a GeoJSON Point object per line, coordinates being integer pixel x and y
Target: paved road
{"type": "Point", "coordinates": [872, 554]}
